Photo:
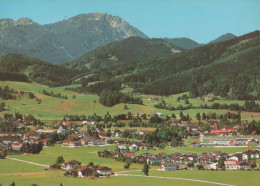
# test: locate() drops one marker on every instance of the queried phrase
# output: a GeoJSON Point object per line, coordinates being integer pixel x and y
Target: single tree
{"type": "Point", "coordinates": [60, 160]}
{"type": "Point", "coordinates": [91, 164]}
{"type": "Point", "coordinates": [3, 154]}
{"type": "Point", "coordinates": [146, 169]}
{"type": "Point", "coordinates": [221, 163]}
{"type": "Point", "coordinates": [198, 116]}
{"type": "Point", "coordinates": [127, 165]}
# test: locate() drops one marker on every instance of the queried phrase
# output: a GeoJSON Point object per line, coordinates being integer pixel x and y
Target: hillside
{"type": "Point", "coordinates": [227, 69]}
{"type": "Point", "coordinates": [53, 108]}
{"type": "Point", "coordinates": [224, 37]}
{"type": "Point", "coordinates": [65, 40]}
{"type": "Point", "coordinates": [184, 42]}
{"type": "Point", "coordinates": [129, 50]}
{"type": "Point", "coordinates": [17, 67]}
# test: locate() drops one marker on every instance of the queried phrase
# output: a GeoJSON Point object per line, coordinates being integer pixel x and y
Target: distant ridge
{"type": "Point", "coordinates": [224, 37]}
{"type": "Point", "coordinates": [65, 40]}
{"type": "Point", "coordinates": [184, 42]}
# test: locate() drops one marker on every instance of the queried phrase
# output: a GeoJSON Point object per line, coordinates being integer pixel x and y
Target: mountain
{"type": "Point", "coordinates": [226, 69]}
{"type": "Point", "coordinates": [16, 67]}
{"type": "Point", "coordinates": [129, 50]}
{"type": "Point", "coordinates": [224, 37]}
{"type": "Point", "coordinates": [65, 40]}
{"type": "Point", "coordinates": [184, 42]}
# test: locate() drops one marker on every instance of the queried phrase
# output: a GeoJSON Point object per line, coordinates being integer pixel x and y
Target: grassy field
{"type": "Point", "coordinates": [10, 166]}
{"type": "Point", "coordinates": [53, 108]}
{"type": "Point", "coordinates": [53, 179]}
{"type": "Point", "coordinates": [36, 174]}
{"type": "Point", "coordinates": [228, 177]}
{"type": "Point", "coordinates": [85, 155]}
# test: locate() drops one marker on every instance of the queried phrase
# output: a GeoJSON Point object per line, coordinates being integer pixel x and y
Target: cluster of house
{"type": "Point", "coordinates": [214, 131]}
{"type": "Point", "coordinates": [83, 138]}
{"type": "Point", "coordinates": [74, 167]}
{"type": "Point", "coordinates": [19, 142]}
{"type": "Point", "coordinates": [77, 138]}
{"type": "Point", "coordinates": [235, 142]}
{"type": "Point", "coordinates": [173, 161]}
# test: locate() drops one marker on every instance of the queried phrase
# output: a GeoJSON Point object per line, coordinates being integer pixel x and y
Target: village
{"type": "Point", "coordinates": [130, 146]}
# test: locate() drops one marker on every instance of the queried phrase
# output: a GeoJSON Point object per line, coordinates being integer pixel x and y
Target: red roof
{"type": "Point", "coordinates": [103, 133]}
{"type": "Point", "coordinates": [73, 162]}
{"type": "Point", "coordinates": [30, 134]}
{"type": "Point", "coordinates": [70, 123]}
{"type": "Point", "coordinates": [223, 131]}
{"type": "Point", "coordinates": [73, 135]}
{"type": "Point", "coordinates": [103, 168]}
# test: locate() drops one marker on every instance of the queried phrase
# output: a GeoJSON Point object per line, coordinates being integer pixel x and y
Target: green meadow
{"type": "Point", "coordinates": [52, 108]}
{"type": "Point", "coordinates": [26, 174]}
{"type": "Point", "coordinates": [228, 177]}
{"type": "Point", "coordinates": [9, 166]}
{"type": "Point", "coordinates": [56, 179]}
{"type": "Point", "coordinates": [84, 154]}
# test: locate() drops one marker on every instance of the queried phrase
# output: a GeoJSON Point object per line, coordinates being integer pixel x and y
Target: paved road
{"type": "Point", "coordinates": [27, 162]}
{"type": "Point", "coordinates": [173, 178]}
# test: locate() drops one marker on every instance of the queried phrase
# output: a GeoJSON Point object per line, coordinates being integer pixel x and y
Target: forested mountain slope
{"type": "Point", "coordinates": [229, 69]}
{"type": "Point", "coordinates": [129, 50]}
{"type": "Point", "coordinates": [16, 67]}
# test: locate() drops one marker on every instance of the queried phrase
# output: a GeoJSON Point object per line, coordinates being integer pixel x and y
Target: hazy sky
{"type": "Point", "coordinates": [200, 20]}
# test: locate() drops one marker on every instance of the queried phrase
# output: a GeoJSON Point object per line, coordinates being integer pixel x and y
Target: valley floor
{"type": "Point", "coordinates": [24, 173]}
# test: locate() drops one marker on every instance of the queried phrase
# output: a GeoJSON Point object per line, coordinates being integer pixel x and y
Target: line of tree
{"type": "Point", "coordinates": [58, 95]}
{"type": "Point", "coordinates": [163, 105]}
{"type": "Point", "coordinates": [11, 76]}
{"type": "Point", "coordinates": [249, 105]}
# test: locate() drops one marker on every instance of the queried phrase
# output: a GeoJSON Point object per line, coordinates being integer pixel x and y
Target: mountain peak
{"type": "Point", "coordinates": [224, 37]}
{"type": "Point", "coordinates": [25, 21]}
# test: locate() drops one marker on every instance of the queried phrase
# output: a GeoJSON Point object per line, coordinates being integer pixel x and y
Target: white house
{"type": "Point", "coordinates": [40, 131]}
{"type": "Point", "coordinates": [70, 164]}
{"type": "Point", "coordinates": [235, 165]}
{"type": "Point", "coordinates": [122, 147]}
{"type": "Point", "coordinates": [104, 170]}
{"type": "Point", "coordinates": [62, 131]}
{"type": "Point", "coordinates": [134, 146]}
{"type": "Point", "coordinates": [85, 172]}
{"type": "Point", "coordinates": [159, 114]}
{"type": "Point", "coordinates": [251, 154]}
{"type": "Point", "coordinates": [169, 166]}
{"type": "Point", "coordinates": [84, 122]}
{"type": "Point", "coordinates": [17, 146]}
